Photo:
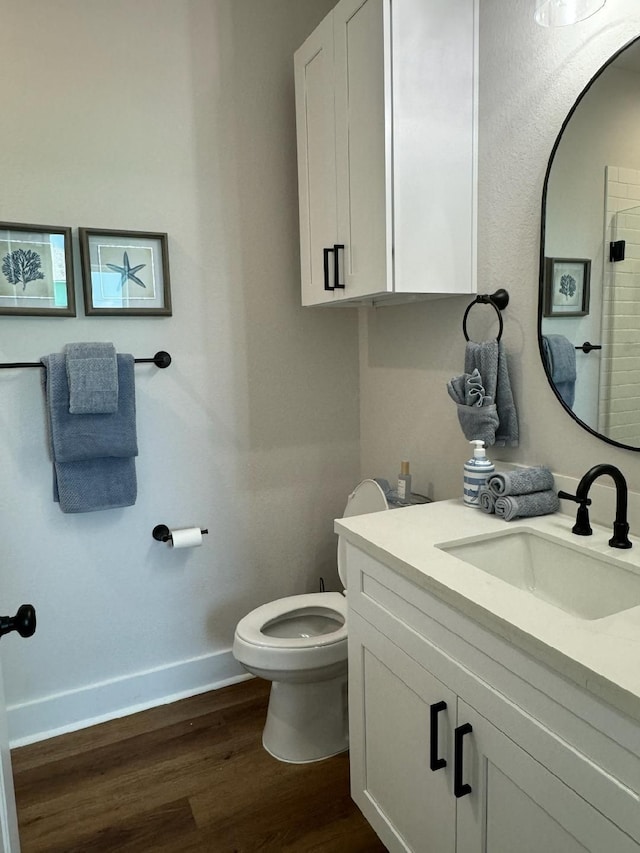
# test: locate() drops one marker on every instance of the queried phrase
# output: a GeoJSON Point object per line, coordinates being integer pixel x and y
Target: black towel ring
{"type": "Point", "coordinates": [499, 300]}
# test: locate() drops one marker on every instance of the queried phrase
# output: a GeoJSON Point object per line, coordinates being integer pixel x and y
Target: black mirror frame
{"type": "Point", "coordinates": [541, 275]}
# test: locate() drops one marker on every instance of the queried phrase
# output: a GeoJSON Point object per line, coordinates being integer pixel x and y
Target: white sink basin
{"type": "Point", "coordinates": [573, 578]}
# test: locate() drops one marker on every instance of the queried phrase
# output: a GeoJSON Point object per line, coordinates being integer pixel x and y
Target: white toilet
{"type": "Point", "coordinates": [299, 643]}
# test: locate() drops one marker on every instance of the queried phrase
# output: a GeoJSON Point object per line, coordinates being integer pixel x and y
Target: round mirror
{"type": "Point", "coordinates": [589, 301]}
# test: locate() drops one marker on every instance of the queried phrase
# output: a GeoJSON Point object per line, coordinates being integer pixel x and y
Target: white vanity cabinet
{"type": "Point", "coordinates": [386, 99]}
{"type": "Point", "coordinates": [515, 768]}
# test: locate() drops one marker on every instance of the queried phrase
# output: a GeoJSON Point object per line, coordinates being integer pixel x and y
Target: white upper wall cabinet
{"type": "Point", "coordinates": [386, 102]}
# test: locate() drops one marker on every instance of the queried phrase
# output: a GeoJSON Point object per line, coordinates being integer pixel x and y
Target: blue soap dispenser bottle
{"type": "Point", "coordinates": [477, 471]}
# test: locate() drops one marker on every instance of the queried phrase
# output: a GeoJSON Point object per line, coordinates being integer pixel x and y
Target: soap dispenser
{"type": "Point", "coordinates": [477, 471]}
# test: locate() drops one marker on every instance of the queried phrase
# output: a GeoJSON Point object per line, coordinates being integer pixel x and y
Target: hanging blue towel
{"type": "Point", "coordinates": [93, 455]}
{"type": "Point", "coordinates": [490, 359]}
{"type": "Point", "coordinates": [560, 358]}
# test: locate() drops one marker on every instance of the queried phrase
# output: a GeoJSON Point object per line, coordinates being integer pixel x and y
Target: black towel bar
{"type": "Point", "coordinates": [160, 359]}
{"type": "Point", "coordinates": [587, 347]}
{"type": "Point", "coordinates": [499, 300]}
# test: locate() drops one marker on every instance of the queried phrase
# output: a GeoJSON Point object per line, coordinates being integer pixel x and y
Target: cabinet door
{"type": "Point", "coordinates": [315, 126]}
{"type": "Point", "coordinates": [515, 803]}
{"type": "Point", "coordinates": [363, 145]}
{"type": "Point", "coordinates": [434, 145]}
{"type": "Point", "coordinates": [410, 806]}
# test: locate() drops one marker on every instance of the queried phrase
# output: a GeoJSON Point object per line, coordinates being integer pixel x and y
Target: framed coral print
{"type": "Point", "coordinates": [125, 272]}
{"type": "Point", "coordinates": [566, 287]}
{"type": "Point", "coordinates": [36, 270]}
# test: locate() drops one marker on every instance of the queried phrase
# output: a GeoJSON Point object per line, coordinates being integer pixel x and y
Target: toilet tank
{"type": "Point", "coordinates": [365, 498]}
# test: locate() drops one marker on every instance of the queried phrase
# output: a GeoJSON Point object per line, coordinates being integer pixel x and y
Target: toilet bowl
{"type": "Point", "coordinates": [299, 643]}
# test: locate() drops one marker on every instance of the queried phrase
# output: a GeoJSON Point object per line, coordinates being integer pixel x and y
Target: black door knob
{"type": "Point", "coordinates": [24, 622]}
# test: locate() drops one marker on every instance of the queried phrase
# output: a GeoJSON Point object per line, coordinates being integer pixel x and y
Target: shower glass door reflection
{"type": "Point", "coordinates": [619, 406]}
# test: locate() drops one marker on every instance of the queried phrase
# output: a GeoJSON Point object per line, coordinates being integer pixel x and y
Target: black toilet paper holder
{"type": "Point", "coordinates": [162, 533]}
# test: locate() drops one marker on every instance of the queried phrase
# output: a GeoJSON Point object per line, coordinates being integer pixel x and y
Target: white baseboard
{"type": "Point", "coordinates": [96, 703]}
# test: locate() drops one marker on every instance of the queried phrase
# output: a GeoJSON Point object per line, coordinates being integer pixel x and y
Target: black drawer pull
{"type": "Point", "coordinates": [327, 286]}
{"type": "Point", "coordinates": [460, 788]}
{"type": "Point", "coordinates": [336, 265]}
{"type": "Point", "coordinates": [435, 763]}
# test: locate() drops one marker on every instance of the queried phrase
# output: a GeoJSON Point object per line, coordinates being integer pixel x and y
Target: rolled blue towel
{"type": "Point", "coordinates": [509, 507]}
{"type": "Point", "coordinates": [486, 500]}
{"type": "Point", "coordinates": [522, 481]}
{"type": "Point", "coordinates": [92, 373]}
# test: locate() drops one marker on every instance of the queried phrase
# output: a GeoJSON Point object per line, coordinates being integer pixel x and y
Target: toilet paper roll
{"type": "Point", "coordinates": [186, 537]}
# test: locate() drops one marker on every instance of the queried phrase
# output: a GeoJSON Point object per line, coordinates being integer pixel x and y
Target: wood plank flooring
{"type": "Point", "coordinates": [191, 777]}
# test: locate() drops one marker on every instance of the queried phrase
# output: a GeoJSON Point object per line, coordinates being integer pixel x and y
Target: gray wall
{"type": "Point", "coordinates": [529, 80]}
{"type": "Point", "coordinates": [176, 116]}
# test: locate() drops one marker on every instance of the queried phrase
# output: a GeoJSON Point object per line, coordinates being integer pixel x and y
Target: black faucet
{"type": "Point", "coordinates": [620, 538]}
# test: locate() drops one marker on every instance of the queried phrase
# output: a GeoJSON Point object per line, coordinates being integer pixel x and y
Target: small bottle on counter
{"type": "Point", "coordinates": [404, 483]}
{"type": "Point", "coordinates": [477, 471]}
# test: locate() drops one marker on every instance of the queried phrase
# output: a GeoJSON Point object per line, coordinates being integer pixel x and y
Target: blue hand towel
{"type": "Point", "coordinates": [490, 359]}
{"type": "Point", "coordinates": [477, 413]}
{"type": "Point", "coordinates": [92, 371]}
{"type": "Point", "coordinates": [467, 390]}
{"type": "Point", "coordinates": [479, 422]}
{"type": "Point", "coordinates": [93, 455]}
{"type": "Point", "coordinates": [560, 358]}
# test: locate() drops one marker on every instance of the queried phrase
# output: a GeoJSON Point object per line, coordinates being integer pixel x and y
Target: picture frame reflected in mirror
{"type": "Point", "coordinates": [566, 287]}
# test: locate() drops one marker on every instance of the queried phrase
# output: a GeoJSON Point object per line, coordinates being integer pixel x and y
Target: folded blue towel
{"type": "Point", "coordinates": [93, 455]}
{"type": "Point", "coordinates": [509, 507]}
{"type": "Point", "coordinates": [92, 372]}
{"type": "Point", "coordinates": [467, 390]}
{"type": "Point", "coordinates": [521, 481]}
{"type": "Point", "coordinates": [95, 484]}
{"type": "Point", "coordinates": [79, 437]}
{"type": "Point", "coordinates": [479, 422]}
{"type": "Point", "coordinates": [560, 359]}
{"type": "Point", "coordinates": [474, 391]}
{"type": "Point", "coordinates": [477, 413]}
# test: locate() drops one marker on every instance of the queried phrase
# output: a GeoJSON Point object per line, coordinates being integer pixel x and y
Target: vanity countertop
{"type": "Point", "coordinates": [601, 655]}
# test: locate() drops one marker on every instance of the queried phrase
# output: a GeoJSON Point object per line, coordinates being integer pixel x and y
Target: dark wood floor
{"type": "Point", "coordinates": [190, 776]}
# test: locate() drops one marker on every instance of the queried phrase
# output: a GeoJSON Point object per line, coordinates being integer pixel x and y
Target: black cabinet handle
{"type": "Point", "coordinates": [24, 622]}
{"type": "Point", "coordinates": [327, 286]}
{"type": "Point", "coordinates": [336, 265]}
{"type": "Point", "coordinates": [435, 763]}
{"type": "Point", "coordinates": [460, 788]}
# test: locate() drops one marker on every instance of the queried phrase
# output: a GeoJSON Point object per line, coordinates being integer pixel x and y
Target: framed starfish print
{"type": "Point", "coordinates": [125, 272]}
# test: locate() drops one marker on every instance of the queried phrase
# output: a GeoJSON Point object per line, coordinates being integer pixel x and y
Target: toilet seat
{"type": "Point", "coordinates": [331, 605]}
{"type": "Point", "coordinates": [254, 648]}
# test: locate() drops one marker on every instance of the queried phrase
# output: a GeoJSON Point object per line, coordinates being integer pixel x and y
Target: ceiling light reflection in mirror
{"type": "Point", "coordinates": [561, 13]}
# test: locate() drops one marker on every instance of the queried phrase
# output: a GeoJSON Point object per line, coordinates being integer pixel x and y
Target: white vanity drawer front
{"type": "Point", "coordinates": [501, 682]}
